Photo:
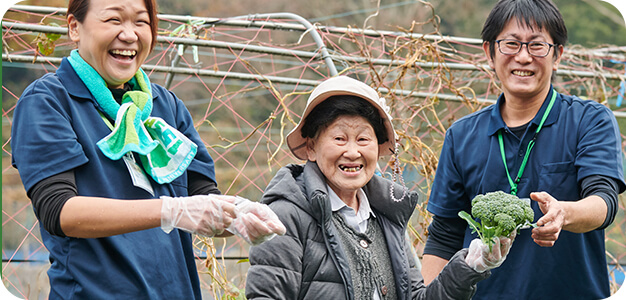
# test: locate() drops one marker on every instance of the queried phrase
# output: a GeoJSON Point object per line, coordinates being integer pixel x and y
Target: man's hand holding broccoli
{"type": "Point", "coordinates": [500, 215]}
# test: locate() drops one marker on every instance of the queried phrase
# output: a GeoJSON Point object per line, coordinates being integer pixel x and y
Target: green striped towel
{"type": "Point", "coordinates": [165, 152]}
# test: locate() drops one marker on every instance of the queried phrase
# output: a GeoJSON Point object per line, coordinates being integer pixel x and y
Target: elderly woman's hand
{"type": "Point", "coordinates": [255, 222]}
{"type": "Point", "coordinates": [481, 259]}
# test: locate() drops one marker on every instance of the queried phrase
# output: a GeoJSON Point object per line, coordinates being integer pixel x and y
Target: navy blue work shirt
{"type": "Point", "coordinates": [56, 126]}
{"type": "Point", "coordinates": [579, 138]}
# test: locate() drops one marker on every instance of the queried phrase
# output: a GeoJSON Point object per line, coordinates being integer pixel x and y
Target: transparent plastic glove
{"type": "Point", "coordinates": [255, 222]}
{"type": "Point", "coordinates": [206, 215]}
{"type": "Point", "coordinates": [481, 259]}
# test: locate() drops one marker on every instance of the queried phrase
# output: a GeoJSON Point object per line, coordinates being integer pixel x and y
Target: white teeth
{"type": "Point", "coordinates": [522, 73]}
{"type": "Point", "coordinates": [124, 52]}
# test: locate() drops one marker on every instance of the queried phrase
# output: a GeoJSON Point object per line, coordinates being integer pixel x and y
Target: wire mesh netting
{"type": "Point", "coordinates": [245, 81]}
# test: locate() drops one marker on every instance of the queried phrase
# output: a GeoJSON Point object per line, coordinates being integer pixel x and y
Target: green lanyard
{"type": "Point", "coordinates": [106, 121]}
{"type": "Point", "coordinates": [531, 144]}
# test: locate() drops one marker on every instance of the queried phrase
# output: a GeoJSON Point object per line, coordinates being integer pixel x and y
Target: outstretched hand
{"type": "Point", "coordinates": [210, 215]}
{"type": "Point", "coordinates": [206, 215]}
{"type": "Point", "coordinates": [481, 259]}
{"type": "Point", "coordinates": [551, 224]}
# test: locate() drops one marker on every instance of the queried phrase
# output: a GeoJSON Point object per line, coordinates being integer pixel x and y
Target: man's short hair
{"type": "Point", "coordinates": [536, 14]}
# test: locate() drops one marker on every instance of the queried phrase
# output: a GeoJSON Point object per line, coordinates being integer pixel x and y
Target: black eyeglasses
{"type": "Point", "coordinates": [512, 47]}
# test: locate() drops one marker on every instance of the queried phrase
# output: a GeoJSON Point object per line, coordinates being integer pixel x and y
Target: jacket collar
{"type": "Point", "coordinates": [496, 123]}
{"type": "Point", "coordinates": [377, 191]}
{"type": "Point", "coordinates": [304, 185]}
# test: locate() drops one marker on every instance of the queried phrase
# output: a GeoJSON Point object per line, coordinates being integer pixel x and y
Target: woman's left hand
{"type": "Point", "coordinates": [255, 222]}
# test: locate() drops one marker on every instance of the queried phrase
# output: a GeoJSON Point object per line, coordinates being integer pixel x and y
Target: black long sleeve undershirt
{"type": "Point", "coordinates": [49, 195]}
{"type": "Point", "coordinates": [606, 188]}
{"type": "Point", "coordinates": [446, 234]}
{"type": "Point", "coordinates": [48, 198]}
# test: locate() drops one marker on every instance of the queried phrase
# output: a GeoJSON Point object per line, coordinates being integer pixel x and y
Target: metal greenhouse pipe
{"type": "Point", "coordinates": [306, 54]}
{"type": "Point", "coordinates": [607, 51]}
{"type": "Point", "coordinates": [309, 28]}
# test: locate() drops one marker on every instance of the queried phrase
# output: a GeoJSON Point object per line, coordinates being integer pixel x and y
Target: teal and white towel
{"type": "Point", "coordinates": [165, 152]}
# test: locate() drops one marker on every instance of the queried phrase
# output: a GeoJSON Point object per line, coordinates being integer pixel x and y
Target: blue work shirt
{"type": "Point", "coordinates": [56, 126]}
{"type": "Point", "coordinates": [579, 138]}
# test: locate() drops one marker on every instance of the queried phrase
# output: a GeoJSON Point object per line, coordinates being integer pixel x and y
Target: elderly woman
{"type": "Point", "coordinates": [346, 227]}
{"type": "Point", "coordinates": [110, 160]}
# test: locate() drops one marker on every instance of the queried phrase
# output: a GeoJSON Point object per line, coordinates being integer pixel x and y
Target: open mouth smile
{"type": "Point", "coordinates": [350, 169]}
{"type": "Point", "coordinates": [523, 73]}
{"type": "Point", "coordinates": [123, 54]}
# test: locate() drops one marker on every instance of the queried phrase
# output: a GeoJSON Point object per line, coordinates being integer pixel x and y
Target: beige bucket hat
{"type": "Point", "coordinates": [342, 85]}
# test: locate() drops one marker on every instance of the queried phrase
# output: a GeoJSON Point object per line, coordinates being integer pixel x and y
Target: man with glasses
{"type": "Point", "coordinates": [534, 48]}
{"type": "Point", "coordinates": [562, 152]}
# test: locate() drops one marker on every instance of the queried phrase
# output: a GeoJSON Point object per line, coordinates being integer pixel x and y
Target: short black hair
{"type": "Point", "coordinates": [531, 13]}
{"type": "Point", "coordinates": [80, 8]}
{"type": "Point", "coordinates": [343, 105]}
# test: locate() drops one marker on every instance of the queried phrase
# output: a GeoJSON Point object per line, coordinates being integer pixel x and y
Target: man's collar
{"type": "Point", "coordinates": [496, 123]}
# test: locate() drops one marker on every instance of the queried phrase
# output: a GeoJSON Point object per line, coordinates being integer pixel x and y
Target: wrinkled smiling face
{"type": "Point", "coordinates": [346, 152]}
{"type": "Point", "coordinates": [114, 38]}
{"type": "Point", "coordinates": [522, 75]}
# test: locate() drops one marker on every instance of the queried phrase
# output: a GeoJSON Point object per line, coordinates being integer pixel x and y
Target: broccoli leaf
{"type": "Point", "coordinates": [476, 227]}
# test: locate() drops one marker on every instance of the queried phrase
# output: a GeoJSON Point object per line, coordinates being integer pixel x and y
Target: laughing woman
{"type": "Point", "coordinates": [116, 172]}
{"type": "Point", "coordinates": [346, 227]}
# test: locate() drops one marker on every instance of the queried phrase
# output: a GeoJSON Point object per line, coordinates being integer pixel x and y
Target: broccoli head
{"type": "Point", "coordinates": [504, 223]}
{"type": "Point", "coordinates": [499, 213]}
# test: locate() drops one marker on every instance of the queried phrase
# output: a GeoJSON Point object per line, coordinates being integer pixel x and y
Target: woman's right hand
{"type": "Point", "coordinates": [207, 215]}
{"type": "Point", "coordinates": [255, 222]}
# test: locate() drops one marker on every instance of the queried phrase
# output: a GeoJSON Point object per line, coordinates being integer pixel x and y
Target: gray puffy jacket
{"type": "Point", "coordinates": [308, 263]}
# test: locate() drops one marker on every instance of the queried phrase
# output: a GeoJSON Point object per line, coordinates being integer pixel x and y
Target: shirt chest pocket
{"type": "Point", "coordinates": [559, 180]}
